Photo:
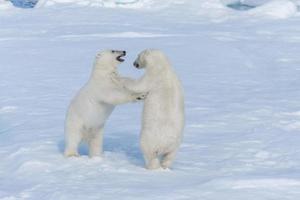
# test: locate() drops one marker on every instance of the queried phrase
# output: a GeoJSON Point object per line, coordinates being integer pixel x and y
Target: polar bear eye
{"type": "Point", "coordinates": [113, 51]}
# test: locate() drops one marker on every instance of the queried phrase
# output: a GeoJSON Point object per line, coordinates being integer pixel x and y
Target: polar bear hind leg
{"type": "Point", "coordinates": [95, 143]}
{"type": "Point", "coordinates": [153, 163]}
{"type": "Point", "coordinates": [167, 159]}
{"type": "Point", "coordinates": [151, 160]}
{"type": "Point", "coordinates": [73, 139]}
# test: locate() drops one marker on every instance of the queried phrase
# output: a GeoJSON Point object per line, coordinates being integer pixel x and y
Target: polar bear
{"type": "Point", "coordinates": [163, 113]}
{"type": "Point", "coordinates": [93, 104]}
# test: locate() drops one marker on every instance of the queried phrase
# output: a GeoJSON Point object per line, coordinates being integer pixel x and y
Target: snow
{"type": "Point", "coordinates": [212, 8]}
{"type": "Point", "coordinates": [241, 75]}
{"type": "Point", "coordinates": [109, 3]}
{"type": "Point", "coordinates": [5, 5]}
{"type": "Point", "coordinates": [277, 9]}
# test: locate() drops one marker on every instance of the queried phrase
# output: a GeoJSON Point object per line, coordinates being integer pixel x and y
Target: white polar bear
{"type": "Point", "coordinates": [163, 114]}
{"type": "Point", "coordinates": [94, 103]}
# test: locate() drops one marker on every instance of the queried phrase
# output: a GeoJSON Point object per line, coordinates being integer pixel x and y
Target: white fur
{"type": "Point", "coordinates": [93, 104]}
{"type": "Point", "coordinates": [163, 114]}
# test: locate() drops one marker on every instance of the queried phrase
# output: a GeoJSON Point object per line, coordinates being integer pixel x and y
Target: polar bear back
{"type": "Point", "coordinates": [164, 107]}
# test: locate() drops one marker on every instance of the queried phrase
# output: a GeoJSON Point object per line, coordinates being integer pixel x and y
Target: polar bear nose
{"type": "Point", "coordinates": [124, 53]}
{"type": "Point", "coordinates": [136, 64]}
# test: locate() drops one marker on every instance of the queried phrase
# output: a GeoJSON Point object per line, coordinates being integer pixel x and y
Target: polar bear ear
{"type": "Point", "coordinates": [98, 55]}
{"type": "Point", "coordinates": [147, 52]}
{"type": "Point", "coordinates": [145, 55]}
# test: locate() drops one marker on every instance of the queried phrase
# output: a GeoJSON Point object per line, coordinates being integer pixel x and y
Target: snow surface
{"type": "Point", "coordinates": [277, 9]}
{"type": "Point", "coordinates": [241, 75]}
{"type": "Point", "coordinates": [5, 5]}
{"type": "Point", "coordinates": [212, 8]}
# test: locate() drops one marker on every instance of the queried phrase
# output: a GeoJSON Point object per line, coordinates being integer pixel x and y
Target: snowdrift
{"type": "Point", "coordinates": [211, 8]}
{"type": "Point", "coordinates": [276, 9]}
{"type": "Point", "coordinates": [5, 5]}
{"type": "Point", "coordinates": [216, 9]}
{"type": "Point", "coordinates": [107, 3]}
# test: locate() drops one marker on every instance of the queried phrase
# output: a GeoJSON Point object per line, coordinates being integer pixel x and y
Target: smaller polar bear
{"type": "Point", "coordinates": [94, 103]}
{"type": "Point", "coordinates": [163, 114]}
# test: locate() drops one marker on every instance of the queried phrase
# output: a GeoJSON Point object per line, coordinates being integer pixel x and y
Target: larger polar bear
{"type": "Point", "coordinates": [94, 103]}
{"type": "Point", "coordinates": [163, 114]}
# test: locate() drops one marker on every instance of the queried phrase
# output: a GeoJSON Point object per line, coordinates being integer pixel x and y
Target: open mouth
{"type": "Point", "coordinates": [120, 58]}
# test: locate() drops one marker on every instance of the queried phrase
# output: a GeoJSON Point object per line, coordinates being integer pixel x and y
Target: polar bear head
{"type": "Point", "coordinates": [151, 59]}
{"type": "Point", "coordinates": [109, 59]}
